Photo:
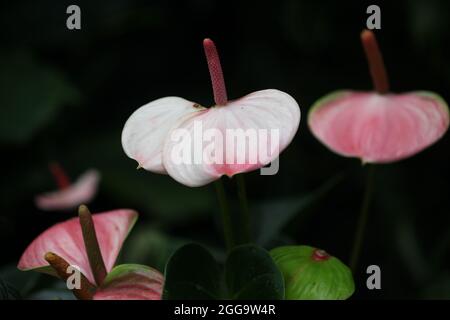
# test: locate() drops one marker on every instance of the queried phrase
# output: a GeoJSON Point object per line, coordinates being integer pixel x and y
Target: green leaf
{"type": "Point", "coordinates": [274, 215]}
{"type": "Point", "coordinates": [24, 282]}
{"type": "Point", "coordinates": [438, 287]}
{"type": "Point", "coordinates": [58, 291]}
{"type": "Point", "coordinates": [8, 292]}
{"type": "Point", "coordinates": [30, 96]}
{"type": "Point", "coordinates": [149, 246]}
{"type": "Point", "coordinates": [312, 274]}
{"type": "Point", "coordinates": [251, 273]}
{"type": "Point", "coordinates": [192, 273]}
{"type": "Point", "coordinates": [53, 294]}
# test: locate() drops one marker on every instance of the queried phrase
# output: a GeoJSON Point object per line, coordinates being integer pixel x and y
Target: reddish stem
{"type": "Point", "coordinates": [91, 245]}
{"type": "Point", "coordinates": [60, 176]}
{"type": "Point", "coordinates": [215, 71]}
{"type": "Point", "coordinates": [86, 290]}
{"type": "Point", "coordinates": [375, 60]}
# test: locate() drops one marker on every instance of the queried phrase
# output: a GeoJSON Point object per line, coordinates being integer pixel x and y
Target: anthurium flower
{"type": "Point", "coordinates": [378, 126]}
{"type": "Point", "coordinates": [196, 145]}
{"type": "Point", "coordinates": [69, 195]}
{"type": "Point", "coordinates": [91, 243]}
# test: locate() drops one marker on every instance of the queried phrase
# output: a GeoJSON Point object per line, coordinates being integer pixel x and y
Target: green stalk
{"type": "Point", "coordinates": [245, 212]}
{"type": "Point", "coordinates": [363, 217]}
{"type": "Point", "coordinates": [226, 215]}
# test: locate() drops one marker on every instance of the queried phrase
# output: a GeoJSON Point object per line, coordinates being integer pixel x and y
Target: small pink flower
{"type": "Point", "coordinates": [92, 244]}
{"type": "Point", "coordinates": [69, 196]}
{"type": "Point", "coordinates": [152, 134]}
{"type": "Point", "coordinates": [378, 127]}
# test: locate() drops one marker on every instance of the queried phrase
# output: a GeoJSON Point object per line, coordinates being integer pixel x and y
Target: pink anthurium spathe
{"type": "Point", "coordinates": [91, 244]}
{"type": "Point", "coordinates": [69, 195]}
{"type": "Point", "coordinates": [131, 282]}
{"type": "Point", "coordinates": [197, 145]}
{"type": "Point", "coordinates": [66, 240]}
{"type": "Point", "coordinates": [379, 126]}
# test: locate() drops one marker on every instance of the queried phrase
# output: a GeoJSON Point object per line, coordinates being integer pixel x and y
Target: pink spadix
{"type": "Point", "coordinates": [215, 72]}
{"type": "Point", "coordinates": [378, 126]}
{"type": "Point", "coordinates": [156, 134]}
{"type": "Point", "coordinates": [69, 195]}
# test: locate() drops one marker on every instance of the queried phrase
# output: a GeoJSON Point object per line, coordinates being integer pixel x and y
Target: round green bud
{"type": "Point", "coordinates": [312, 274]}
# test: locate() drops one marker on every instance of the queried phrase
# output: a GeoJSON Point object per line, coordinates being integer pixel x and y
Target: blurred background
{"type": "Point", "coordinates": [66, 94]}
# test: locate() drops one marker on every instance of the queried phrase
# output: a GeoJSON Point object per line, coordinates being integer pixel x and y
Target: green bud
{"type": "Point", "coordinates": [312, 274]}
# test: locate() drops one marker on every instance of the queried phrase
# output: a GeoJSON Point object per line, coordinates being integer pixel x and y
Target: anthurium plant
{"type": "Point", "coordinates": [90, 244]}
{"type": "Point", "coordinates": [377, 126]}
{"type": "Point", "coordinates": [197, 145]}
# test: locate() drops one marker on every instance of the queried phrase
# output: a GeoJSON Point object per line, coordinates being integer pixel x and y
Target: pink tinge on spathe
{"type": "Point", "coordinates": [243, 135]}
{"type": "Point", "coordinates": [379, 128]}
{"type": "Point", "coordinates": [80, 192]}
{"type": "Point", "coordinates": [162, 137]}
{"type": "Point", "coordinates": [66, 240]}
{"type": "Point", "coordinates": [142, 285]}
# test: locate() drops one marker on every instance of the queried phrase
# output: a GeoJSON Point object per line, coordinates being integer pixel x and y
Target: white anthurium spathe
{"type": "Point", "coordinates": [197, 145]}
{"type": "Point", "coordinates": [241, 136]}
{"type": "Point", "coordinates": [146, 129]}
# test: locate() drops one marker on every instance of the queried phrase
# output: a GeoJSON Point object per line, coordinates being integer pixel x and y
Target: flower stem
{"type": "Point", "coordinates": [375, 60]}
{"type": "Point", "coordinates": [363, 217]}
{"type": "Point", "coordinates": [86, 289]}
{"type": "Point", "coordinates": [245, 212]}
{"type": "Point", "coordinates": [215, 72]}
{"type": "Point", "coordinates": [91, 244]}
{"type": "Point", "coordinates": [226, 214]}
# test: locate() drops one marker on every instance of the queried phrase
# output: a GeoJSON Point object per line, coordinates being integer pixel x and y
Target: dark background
{"type": "Point", "coordinates": [65, 96]}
